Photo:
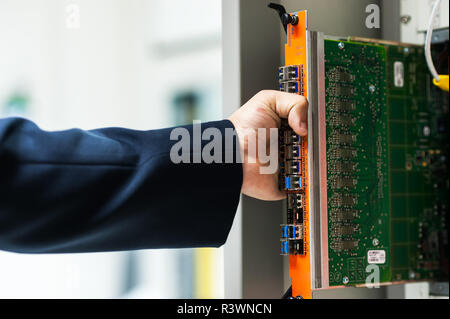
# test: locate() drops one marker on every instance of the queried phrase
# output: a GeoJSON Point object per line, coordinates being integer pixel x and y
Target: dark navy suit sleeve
{"type": "Point", "coordinates": [109, 189]}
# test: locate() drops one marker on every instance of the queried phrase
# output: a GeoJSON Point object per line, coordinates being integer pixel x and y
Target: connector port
{"type": "Point", "coordinates": [288, 73]}
{"type": "Point", "coordinates": [292, 152]}
{"type": "Point", "coordinates": [292, 247]}
{"type": "Point", "coordinates": [290, 87]}
{"type": "Point", "coordinates": [291, 232]}
{"type": "Point", "coordinates": [290, 137]}
{"type": "Point", "coordinates": [292, 168]}
{"type": "Point", "coordinates": [295, 201]}
{"type": "Point", "coordinates": [293, 182]}
{"type": "Point", "coordinates": [295, 216]}
{"type": "Point", "coordinates": [284, 247]}
{"type": "Point", "coordinates": [295, 208]}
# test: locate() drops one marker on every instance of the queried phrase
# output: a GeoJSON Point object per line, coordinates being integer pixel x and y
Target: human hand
{"type": "Point", "coordinates": [263, 111]}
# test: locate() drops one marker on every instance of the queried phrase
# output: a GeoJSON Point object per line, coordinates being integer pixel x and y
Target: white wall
{"type": "Point", "coordinates": [419, 11]}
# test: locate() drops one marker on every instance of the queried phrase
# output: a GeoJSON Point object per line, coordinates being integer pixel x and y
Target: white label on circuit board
{"type": "Point", "coordinates": [399, 74]}
{"type": "Point", "coordinates": [376, 256]}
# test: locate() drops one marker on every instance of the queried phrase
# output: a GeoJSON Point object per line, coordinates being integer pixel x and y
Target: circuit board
{"type": "Point", "coordinates": [357, 161]}
{"type": "Point", "coordinates": [367, 188]}
{"type": "Point", "coordinates": [418, 154]}
{"type": "Point", "coordinates": [387, 179]}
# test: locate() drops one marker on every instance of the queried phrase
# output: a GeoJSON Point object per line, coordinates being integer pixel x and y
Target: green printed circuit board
{"type": "Point", "coordinates": [387, 152]}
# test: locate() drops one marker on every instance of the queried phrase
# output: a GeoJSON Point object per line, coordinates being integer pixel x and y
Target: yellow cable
{"type": "Point", "coordinates": [443, 82]}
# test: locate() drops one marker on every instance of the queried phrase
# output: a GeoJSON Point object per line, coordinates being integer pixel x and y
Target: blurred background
{"type": "Point", "coordinates": [140, 64]}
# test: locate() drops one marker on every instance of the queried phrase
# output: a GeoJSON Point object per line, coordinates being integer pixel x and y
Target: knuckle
{"type": "Point", "coordinates": [303, 101]}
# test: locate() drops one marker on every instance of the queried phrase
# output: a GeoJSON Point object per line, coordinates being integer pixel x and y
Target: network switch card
{"type": "Point", "coordinates": [367, 188]}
